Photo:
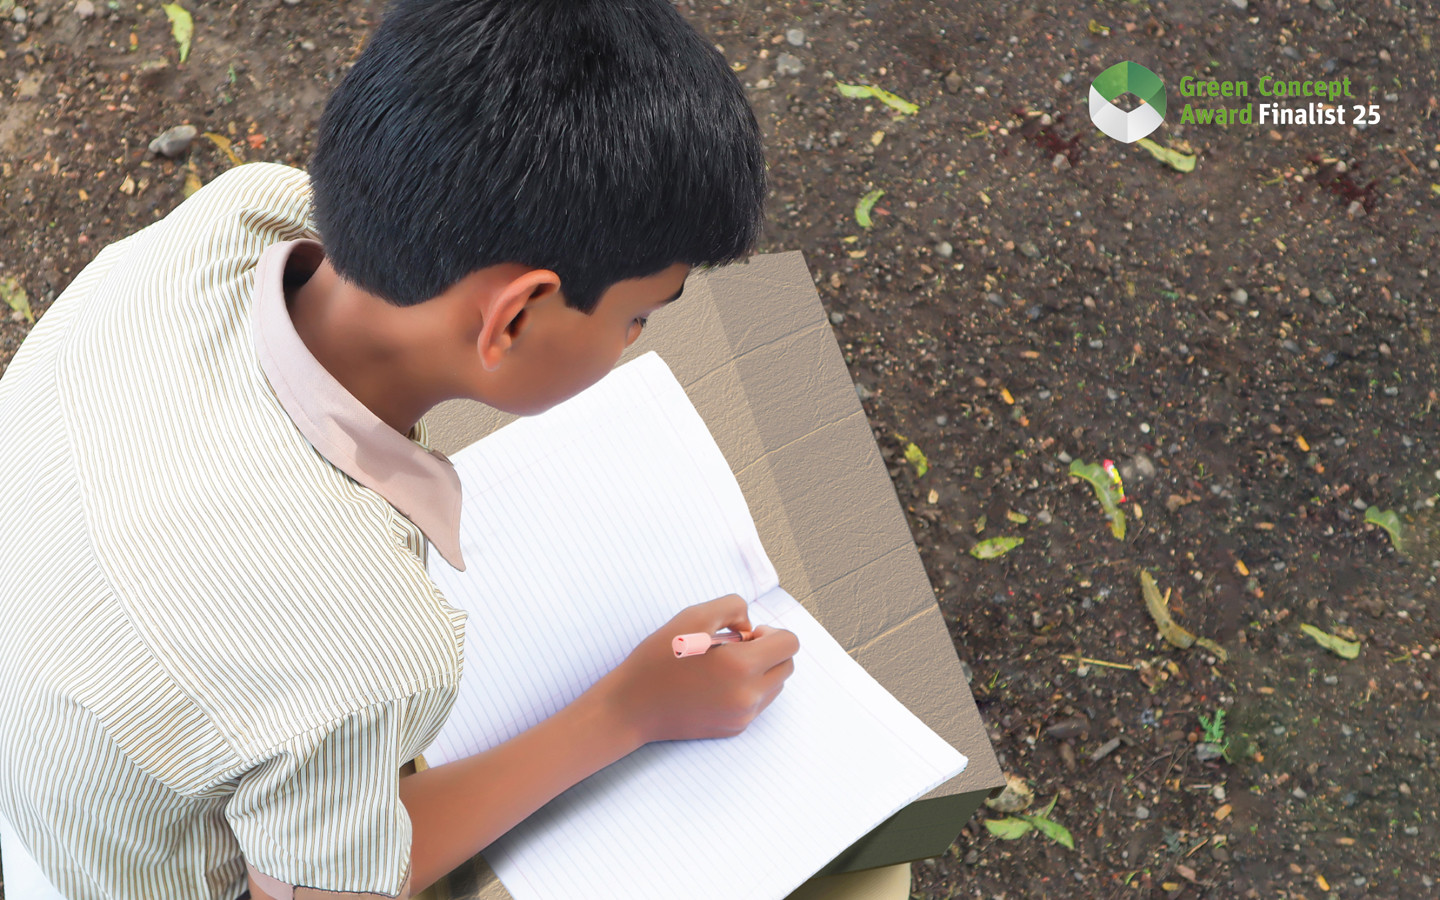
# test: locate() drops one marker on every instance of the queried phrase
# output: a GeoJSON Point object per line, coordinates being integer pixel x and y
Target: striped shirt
{"type": "Point", "coordinates": [218, 641]}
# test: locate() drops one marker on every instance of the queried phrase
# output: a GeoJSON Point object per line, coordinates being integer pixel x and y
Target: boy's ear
{"type": "Point", "coordinates": [506, 310]}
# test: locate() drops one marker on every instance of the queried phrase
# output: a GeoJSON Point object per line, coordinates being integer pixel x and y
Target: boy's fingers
{"type": "Point", "coordinates": [730, 611]}
{"type": "Point", "coordinates": [771, 646]}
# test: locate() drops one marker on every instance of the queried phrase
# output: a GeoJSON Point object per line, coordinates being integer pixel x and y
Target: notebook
{"type": "Point", "coordinates": [585, 529]}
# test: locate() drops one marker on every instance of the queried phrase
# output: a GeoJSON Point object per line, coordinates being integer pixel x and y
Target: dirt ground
{"type": "Point", "coordinates": [1252, 343]}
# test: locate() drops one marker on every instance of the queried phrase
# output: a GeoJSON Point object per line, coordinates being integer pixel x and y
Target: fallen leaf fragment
{"type": "Point", "coordinates": [1241, 568]}
{"type": "Point", "coordinates": [1180, 162]}
{"type": "Point", "coordinates": [1386, 519]}
{"type": "Point", "coordinates": [16, 298]}
{"type": "Point", "coordinates": [182, 27]}
{"type": "Point", "coordinates": [1185, 872]}
{"type": "Point", "coordinates": [996, 546]}
{"type": "Point", "coordinates": [1016, 796]}
{"type": "Point", "coordinates": [1337, 645]}
{"type": "Point", "coordinates": [867, 203]}
{"type": "Point", "coordinates": [1008, 829]}
{"type": "Point", "coordinates": [860, 91]}
{"type": "Point", "coordinates": [916, 458]}
{"type": "Point", "coordinates": [223, 143]}
{"type": "Point", "coordinates": [1104, 492]}
{"type": "Point", "coordinates": [1303, 444]}
{"type": "Point", "coordinates": [1321, 883]}
{"type": "Point", "coordinates": [1222, 813]}
{"type": "Point", "coordinates": [1171, 632]}
{"type": "Point", "coordinates": [1051, 829]}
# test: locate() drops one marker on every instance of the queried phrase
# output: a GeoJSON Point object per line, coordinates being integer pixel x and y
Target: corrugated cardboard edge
{"type": "Point", "coordinates": [754, 350]}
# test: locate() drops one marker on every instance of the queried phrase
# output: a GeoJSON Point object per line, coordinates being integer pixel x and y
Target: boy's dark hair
{"type": "Point", "coordinates": [601, 139]}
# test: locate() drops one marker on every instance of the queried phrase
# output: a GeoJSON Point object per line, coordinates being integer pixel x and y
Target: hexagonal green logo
{"type": "Point", "coordinates": [1136, 79]}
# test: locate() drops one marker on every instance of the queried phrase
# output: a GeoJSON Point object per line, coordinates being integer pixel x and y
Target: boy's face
{"type": "Point", "coordinates": [557, 352]}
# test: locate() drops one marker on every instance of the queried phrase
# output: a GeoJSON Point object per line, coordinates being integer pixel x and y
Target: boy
{"type": "Point", "coordinates": [218, 643]}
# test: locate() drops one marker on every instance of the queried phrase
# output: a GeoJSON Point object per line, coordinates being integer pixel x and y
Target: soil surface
{"type": "Point", "coordinates": [1251, 342]}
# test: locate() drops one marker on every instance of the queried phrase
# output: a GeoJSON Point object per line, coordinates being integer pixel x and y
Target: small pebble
{"type": "Point", "coordinates": [1044, 395]}
{"type": "Point", "coordinates": [836, 318]}
{"type": "Point", "coordinates": [1331, 679]}
{"type": "Point", "coordinates": [1299, 794]}
{"type": "Point", "coordinates": [1240, 4]}
{"type": "Point", "coordinates": [1144, 428]}
{"type": "Point", "coordinates": [1029, 249]}
{"type": "Point", "coordinates": [863, 392]}
{"type": "Point", "coordinates": [953, 82]}
{"type": "Point", "coordinates": [1097, 344]}
{"type": "Point", "coordinates": [942, 420]}
{"type": "Point", "coordinates": [1142, 812]}
{"type": "Point", "coordinates": [1239, 296]}
{"type": "Point", "coordinates": [174, 142]}
{"type": "Point", "coordinates": [788, 64]}
{"type": "Point", "coordinates": [945, 249]}
{"type": "Point", "coordinates": [84, 9]}
{"type": "Point", "coordinates": [795, 37]}
{"type": "Point", "coordinates": [1044, 517]}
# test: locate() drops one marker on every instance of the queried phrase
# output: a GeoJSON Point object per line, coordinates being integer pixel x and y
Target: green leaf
{"type": "Point", "coordinates": [1386, 519]}
{"type": "Point", "coordinates": [182, 26]}
{"type": "Point", "coordinates": [15, 297]}
{"type": "Point", "coordinates": [1053, 830]}
{"type": "Point", "coordinates": [1104, 491]}
{"type": "Point", "coordinates": [996, 546]}
{"type": "Point", "coordinates": [904, 107]}
{"type": "Point", "coordinates": [916, 459]}
{"type": "Point", "coordinates": [1017, 518]}
{"type": "Point", "coordinates": [1172, 158]}
{"type": "Point", "coordinates": [1008, 829]}
{"type": "Point", "coordinates": [1338, 646]}
{"type": "Point", "coordinates": [867, 203]}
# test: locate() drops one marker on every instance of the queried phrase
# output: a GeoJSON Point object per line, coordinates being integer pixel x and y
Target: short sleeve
{"type": "Point", "coordinates": [322, 817]}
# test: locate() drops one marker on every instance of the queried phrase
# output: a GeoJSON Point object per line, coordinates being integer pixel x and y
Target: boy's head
{"type": "Point", "coordinates": [602, 140]}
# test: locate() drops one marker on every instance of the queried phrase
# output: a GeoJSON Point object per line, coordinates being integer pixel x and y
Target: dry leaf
{"type": "Point", "coordinates": [182, 27]}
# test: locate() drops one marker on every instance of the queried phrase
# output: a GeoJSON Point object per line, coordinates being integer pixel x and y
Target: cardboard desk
{"type": "Point", "coordinates": [754, 349]}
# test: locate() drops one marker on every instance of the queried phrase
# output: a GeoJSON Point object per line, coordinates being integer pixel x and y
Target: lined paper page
{"type": "Point", "coordinates": [585, 529]}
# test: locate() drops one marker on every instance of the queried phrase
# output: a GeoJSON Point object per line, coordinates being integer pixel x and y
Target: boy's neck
{"type": "Point", "coordinates": [376, 351]}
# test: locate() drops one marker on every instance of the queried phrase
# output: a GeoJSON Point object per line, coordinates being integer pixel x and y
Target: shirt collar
{"type": "Point", "coordinates": [419, 482]}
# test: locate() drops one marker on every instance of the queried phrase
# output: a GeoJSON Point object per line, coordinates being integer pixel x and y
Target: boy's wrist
{"type": "Point", "coordinates": [611, 716]}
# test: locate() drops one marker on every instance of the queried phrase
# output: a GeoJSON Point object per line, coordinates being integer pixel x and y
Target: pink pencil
{"type": "Point", "coordinates": [700, 642]}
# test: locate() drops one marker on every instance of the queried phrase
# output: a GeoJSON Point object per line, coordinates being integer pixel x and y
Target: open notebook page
{"type": "Point", "coordinates": [586, 528]}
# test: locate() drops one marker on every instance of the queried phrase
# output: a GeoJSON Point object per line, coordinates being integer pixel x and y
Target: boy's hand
{"type": "Point", "coordinates": [663, 698]}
